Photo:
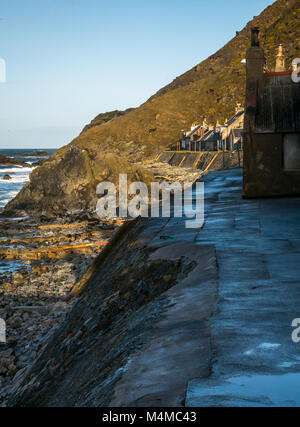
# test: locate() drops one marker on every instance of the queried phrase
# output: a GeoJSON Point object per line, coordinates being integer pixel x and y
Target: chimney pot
{"type": "Point", "coordinates": [280, 61]}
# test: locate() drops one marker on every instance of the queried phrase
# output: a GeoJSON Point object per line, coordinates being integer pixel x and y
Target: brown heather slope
{"type": "Point", "coordinates": [114, 141]}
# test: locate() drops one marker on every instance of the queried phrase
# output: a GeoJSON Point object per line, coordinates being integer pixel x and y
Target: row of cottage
{"type": "Point", "coordinates": [205, 137]}
{"type": "Point", "coordinates": [276, 85]}
{"type": "Point", "coordinates": [267, 130]}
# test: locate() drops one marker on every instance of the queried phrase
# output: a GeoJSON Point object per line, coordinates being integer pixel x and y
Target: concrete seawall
{"type": "Point", "coordinates": [204, 160]}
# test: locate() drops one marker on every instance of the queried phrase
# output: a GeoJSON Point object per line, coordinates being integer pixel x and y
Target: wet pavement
{"type": "Point", "coordinates": [242, 353]}
{"type": "Point", "coordinates": [255, 361]}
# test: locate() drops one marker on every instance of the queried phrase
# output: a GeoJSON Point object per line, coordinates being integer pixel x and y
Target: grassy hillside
{"type": "Point", "coordinates": [211, 89]}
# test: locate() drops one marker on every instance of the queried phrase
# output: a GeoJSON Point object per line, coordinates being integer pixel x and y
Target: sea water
{"type": "Point", "coordinates": [20, 175]}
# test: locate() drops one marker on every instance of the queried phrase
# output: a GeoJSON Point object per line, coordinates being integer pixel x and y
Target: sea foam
{"type": "Point", "coordinates": [10, 188]}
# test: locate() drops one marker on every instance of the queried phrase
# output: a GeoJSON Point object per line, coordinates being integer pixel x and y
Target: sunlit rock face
{"type": "Point", "coordinates": [69, 180]}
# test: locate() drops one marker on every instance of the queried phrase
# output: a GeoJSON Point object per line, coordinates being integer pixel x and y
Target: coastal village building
{"type": "Point", "coordinates": [211, 140]}
{"type": "Point", "coordinates": [233, 131]}
{"type": "Point", "coordinates": [205, 137]}
{"type": "Point", "coordinates": [235, 139]}
{"type": "Point", "coordinates": [191, 137]}
{"type": "Point", "coordinates": [272, 127]}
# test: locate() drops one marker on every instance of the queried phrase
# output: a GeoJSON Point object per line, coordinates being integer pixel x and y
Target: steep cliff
{"type": "Point", "coordinates": [210, 89]}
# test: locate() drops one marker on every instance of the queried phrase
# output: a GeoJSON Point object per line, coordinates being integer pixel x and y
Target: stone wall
{"type": "Point", "coordinates": [205, 160]}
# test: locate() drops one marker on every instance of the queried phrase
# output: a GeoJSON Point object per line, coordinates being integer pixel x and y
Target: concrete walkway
{"type": "Point", "coordinates": [242, 352]}
{"type": "Point", "coordinates": [258, 253]}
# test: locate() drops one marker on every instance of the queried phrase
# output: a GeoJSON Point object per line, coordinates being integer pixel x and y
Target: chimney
{"type": "Point", "coordinates": [280, 62]}
{"type": "Point", "coordinates": [254, 37]}
{"type": "Point", "coordinates": [255, 59]}
{"type": "Point", "coordinates": [255, 75]}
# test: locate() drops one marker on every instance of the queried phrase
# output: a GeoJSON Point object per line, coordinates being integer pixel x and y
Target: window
{"type": "Point", "coordinates": [291, 151]}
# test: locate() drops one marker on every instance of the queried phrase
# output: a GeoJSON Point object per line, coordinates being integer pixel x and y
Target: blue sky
{"type": "Point", "coordinates": [69, 60]}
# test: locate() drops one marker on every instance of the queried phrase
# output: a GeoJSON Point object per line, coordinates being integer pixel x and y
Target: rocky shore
{"type": "Point", "coordinates": [40, 262]}
{"type": "Point", "coordinates": [12, 161]}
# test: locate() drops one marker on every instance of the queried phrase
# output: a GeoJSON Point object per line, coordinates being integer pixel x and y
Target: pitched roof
{"type": "Point", "coordinates": [235, 117]}
{"type": "Point", "coordinates": [209, 136]}
{"type": "Point", "coordinates": [193, 131]}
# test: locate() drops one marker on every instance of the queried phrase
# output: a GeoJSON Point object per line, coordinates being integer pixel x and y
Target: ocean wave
{"type": "Point", "coordinates": [15, 169]}
{"type": "Point", "coordinates": [35, 157]}
{"type": "Point", "coordinates": [7, 197]}
{"type": "Point", "coordinates": [14, 180]}
{"type": "Point", "coordinates": [10, 188]}
{"type": "Point", "coordinates": [18, 176]}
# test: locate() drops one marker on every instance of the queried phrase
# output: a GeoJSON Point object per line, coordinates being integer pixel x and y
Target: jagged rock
{"type": "Point", "coordinates": [8, 161]}
{"type": "Point", "coordinates": [7, 177]}
{"type": "Point", "coordinates": [38, 153]}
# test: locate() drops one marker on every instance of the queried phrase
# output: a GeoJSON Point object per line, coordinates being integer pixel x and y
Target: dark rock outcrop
{"type": "Point", "coordinates": [11, 161]}
{"type": "Point", "coordinates": [6, 178]}
{"type": "Point", "coordinates": [38, 153]}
